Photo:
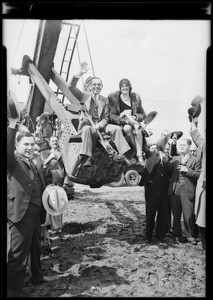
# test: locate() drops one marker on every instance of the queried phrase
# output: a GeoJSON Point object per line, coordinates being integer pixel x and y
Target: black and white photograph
{"type": "Point", "coordinates": [106, 156]}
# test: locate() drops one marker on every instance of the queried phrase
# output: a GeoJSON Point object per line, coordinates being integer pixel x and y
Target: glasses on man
{"type": "Point", "coordinates": [98, 84]}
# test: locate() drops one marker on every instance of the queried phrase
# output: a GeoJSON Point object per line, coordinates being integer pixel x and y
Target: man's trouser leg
{"type": "Point", "coordinates": [118, 138]}
{"type": "Point", "coordinates": [20, 247]}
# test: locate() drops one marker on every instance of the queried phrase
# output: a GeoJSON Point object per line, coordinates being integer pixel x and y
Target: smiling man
{"type": "Point", "coordinates": [24, 205]}
{"type": "Point", "coordinates": [97, 108]}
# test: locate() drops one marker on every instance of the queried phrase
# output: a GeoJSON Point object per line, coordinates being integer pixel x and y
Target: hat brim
{"type": "Point", "coordinates": [150, 117]}
{"type": "Point", "coordinates": [178, 133]}
{"type": "Point", "coordinates": [13, 110]}
{"type": "Point", "coordinates": [196, 100]}
{"type": "Point", "coordinates": [49, 192]}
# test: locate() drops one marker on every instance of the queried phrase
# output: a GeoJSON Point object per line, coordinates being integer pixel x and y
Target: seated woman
{"type": "Point", "coordinates": [125, 102]}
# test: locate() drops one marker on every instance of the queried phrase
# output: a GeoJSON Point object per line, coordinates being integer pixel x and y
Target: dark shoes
{"type": "Point", "coordinates": [160, 239]}
{"type": "Point", "coordinates": [88, 162]}
{"type": "Point", "coordinates": [192, 240]}
{"type": "Point", "coordinates": [148, 241]}
{"type": "Point", "coordinates": [180, 239]}
{"type": "Point", "coordinates": [37, 282]}
{"type": "Point", "coordinates": [85, 160]}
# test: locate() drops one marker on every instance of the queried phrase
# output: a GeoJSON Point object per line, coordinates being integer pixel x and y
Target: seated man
{"type": "Point", "coordinates": [98, 110]}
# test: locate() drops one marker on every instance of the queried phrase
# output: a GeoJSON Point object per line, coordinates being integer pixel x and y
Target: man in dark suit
{"type": "Point", "coordinates": [24, 210]}
{"type": "Point", "coordinates": [186, 171]}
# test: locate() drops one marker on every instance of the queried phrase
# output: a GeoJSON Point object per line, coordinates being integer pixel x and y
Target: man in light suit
{"type": "Point", "coordinates": [24, 210]}
{"type": "Point", "coordinates": [98, 109]}
{"type": "Point", "coordinates": [185, 173]}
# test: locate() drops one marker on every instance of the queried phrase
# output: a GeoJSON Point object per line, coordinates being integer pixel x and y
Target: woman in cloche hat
{"type": "Point", "coordinates": [127, 102]}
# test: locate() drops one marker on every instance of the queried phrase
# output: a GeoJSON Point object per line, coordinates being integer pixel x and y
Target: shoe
{"type": "Point", "coordinates": [192, 240]}
{"type": "Point", "coordinates": [141, 161]}
{"type": "Point", "coordinates": [88, 162]}
{"type": "Point", "coordinates": [148, 241]}
{"type": "Point", "coordinates": [160, 239]}
{"type": "Point", "coordinates": [179, 239]}
{"type": "Point", "coordinates": [127, 160]}
{"type": "Point", "coordinates": [37, 282]}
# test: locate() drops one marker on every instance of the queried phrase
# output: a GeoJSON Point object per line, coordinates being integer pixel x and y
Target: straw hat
{"type": "Point", "coordinates": [54, 199]}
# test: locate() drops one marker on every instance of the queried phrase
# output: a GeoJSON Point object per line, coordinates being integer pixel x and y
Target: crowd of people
{"type": "Point", "coordinates": [174, 178]}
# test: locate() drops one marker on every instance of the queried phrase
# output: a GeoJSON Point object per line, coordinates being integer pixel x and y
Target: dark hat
{"type": "Point", "coordinates": [178, 133]}
{"type": "Point", "coordinates": [45, 145]}
{"type": "Point", "coordinates": [161, 143]}
{"type": "Point", "coordinates": [125, 81]}
{"type": "Point", "coordinates": [13, 110]}
{"type": "Point", "coordinates": [150, 117]}
{"type": "Point", "coordinates": [196, 100]}
{"type": "Point", "coordinates": [194, 111]}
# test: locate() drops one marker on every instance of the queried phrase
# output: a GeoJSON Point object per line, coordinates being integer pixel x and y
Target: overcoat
{"type": "Point", "coordinates": [200, 198]}
{"type": "Point", "coordinates": [114, 108]}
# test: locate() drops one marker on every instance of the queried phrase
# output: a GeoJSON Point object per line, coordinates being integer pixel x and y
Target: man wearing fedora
{"type": "Point", "coordinates": [24, 209]}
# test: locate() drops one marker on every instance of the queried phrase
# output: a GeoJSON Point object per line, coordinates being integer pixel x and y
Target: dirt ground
{"type": "Point", "coordinates": [101, 252]}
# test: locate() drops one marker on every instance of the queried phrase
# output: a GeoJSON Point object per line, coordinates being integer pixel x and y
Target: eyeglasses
{"type": "Point", "coordinates": [98, 84]}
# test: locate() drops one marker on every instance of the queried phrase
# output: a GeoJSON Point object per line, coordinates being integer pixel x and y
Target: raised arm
{"type": "Point", "coordinates": [72, 85]}
{"type": "Point", "coordinates": [11, 135]}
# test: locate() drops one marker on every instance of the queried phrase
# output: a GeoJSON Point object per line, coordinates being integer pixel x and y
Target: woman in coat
{"type": "Point", "coordinates": [124, 102]}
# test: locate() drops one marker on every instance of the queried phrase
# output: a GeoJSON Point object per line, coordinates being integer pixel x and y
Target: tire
{"type": "Point", "coordinates": [132, 178]}
{"type": "Point", "coordinates": [120, 182]}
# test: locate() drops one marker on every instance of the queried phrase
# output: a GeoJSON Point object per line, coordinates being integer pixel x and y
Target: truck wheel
{"type": "Point", "coordinates": [120, 182]}
{"type": "Point", "coordinates": [132, 178]}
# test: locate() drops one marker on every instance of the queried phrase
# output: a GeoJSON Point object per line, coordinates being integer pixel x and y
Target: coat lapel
{"type": "Point", "coordinates": [101, 104]}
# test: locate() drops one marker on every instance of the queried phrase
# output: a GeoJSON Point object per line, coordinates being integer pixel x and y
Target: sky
{"type": "Point", "coordinates": [165, 61]}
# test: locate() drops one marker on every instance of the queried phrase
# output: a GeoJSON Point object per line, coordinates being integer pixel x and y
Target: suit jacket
{"type": "Point", "coordinates": [85, 97]}
{"type": "Point", "coordinates": [19, 182]}
{"type": "Point", "coordinates": [114, 108]}
{"type": "Point", "coordinates": [190, 177]}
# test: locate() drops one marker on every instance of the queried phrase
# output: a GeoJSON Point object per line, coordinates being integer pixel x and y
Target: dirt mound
{"type": "Point", "coordinates": [101, 252]}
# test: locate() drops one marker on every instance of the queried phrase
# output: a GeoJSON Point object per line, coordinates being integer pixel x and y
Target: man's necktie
{"type": "Point", "coordinates": [35, 173]}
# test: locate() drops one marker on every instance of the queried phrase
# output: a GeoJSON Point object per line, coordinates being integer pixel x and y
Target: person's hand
{"type": "Point", "coordinates": [83, 68]}
{"type": "Point", "coordinates": [183, 169]}
{"type": "Point", "coordinates": [13, 122]}
{"type": "Point", "coordinates": [97, 127]}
